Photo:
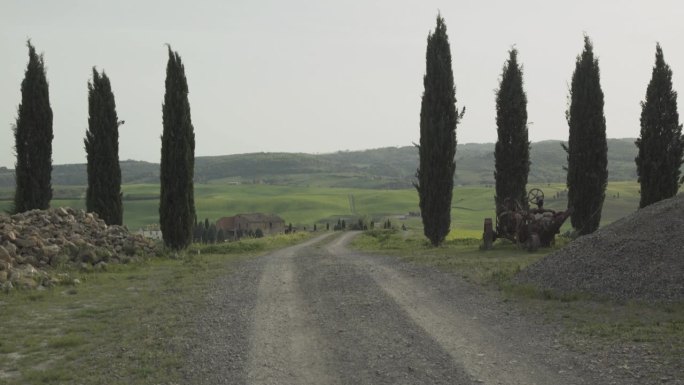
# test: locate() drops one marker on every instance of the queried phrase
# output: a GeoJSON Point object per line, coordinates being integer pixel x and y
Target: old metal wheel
{"type": "Point", "coordinates": [534, 195]}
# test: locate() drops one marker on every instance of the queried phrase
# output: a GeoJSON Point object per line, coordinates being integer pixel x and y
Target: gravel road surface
{"type": "Point", "coordinates": [318, 313]}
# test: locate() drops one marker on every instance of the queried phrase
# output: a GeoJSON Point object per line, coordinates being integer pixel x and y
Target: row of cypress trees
{"type": "Point", "coordinates": [660, 142]}
{"type": "Point", "coordinates": [658, 162]}
{"type": "Point", "coordinates": [33, 145]}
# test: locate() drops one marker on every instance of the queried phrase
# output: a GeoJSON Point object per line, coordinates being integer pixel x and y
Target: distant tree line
{"type": "Point", "coordinates": [207, 232]}
{"type": "Point", "coordinates": [361, 223]}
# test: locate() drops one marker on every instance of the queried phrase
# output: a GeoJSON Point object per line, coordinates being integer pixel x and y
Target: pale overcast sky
{"type": "Point", "coordinates": [321, 76]}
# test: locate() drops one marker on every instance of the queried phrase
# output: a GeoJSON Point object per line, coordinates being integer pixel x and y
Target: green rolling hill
{"type": "Point", "coordinates": [385, 168]}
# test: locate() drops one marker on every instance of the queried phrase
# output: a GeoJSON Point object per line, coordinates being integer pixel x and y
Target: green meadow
{"type": "Point", "coordinates": [305, 206]}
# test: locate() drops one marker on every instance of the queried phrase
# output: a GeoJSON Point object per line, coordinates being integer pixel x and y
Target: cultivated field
{"type": "Point", "coordinates": [304, 206]}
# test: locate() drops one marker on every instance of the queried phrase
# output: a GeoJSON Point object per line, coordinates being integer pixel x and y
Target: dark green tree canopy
{"type": "Point", "coordinates": [512, 150]}
{"type": "Point", "coordinates": [103, 195]}
{"type": "Point", "coordinates": [33, 139]}
{"type": "Point", "coordinates": [177, 202]}
{"type": "Point", "coordinates": [437, 148]}
{"type": "Point", "coordinates": [660, 142]}
{"type": "Point", "coordinates": [587, 147]}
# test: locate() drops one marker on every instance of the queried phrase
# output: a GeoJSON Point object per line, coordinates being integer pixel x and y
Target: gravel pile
{"type": "Point", "coordinates": [638, 257]}
{"type": "Point", "coordinates": [35, 242]}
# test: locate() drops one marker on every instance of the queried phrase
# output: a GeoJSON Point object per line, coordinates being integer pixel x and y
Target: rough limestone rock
{"type": "Point", "coordinates": [33, 242]}
{"type": "Point", "coordinates": [5, 255]}
{"type": "Point", "coordinates": [639, 257]}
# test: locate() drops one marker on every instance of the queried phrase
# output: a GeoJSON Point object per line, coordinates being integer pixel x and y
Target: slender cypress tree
{"type": "Point", "coordinates": [587, 147]}
{"type": "Point", "coordinates": [512, 150]}
{"type": "Point", "coordinates": [33, 139]}
{"type": "Point", "coordinates": [103, 195]}
{"type": "Point", "coordinates": [437, 148]}
{"type": "Point", "coordinates": [660, 143]}
{"type": "Point", "coordinates": [177, 202]}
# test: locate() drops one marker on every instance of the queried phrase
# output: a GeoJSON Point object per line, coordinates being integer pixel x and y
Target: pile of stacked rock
{"type": "Point", "coordinates": [33, 243]}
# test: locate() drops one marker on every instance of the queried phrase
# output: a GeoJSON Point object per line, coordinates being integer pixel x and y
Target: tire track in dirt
{"type": "Point", "coordinates": [489, 357]}
{"type": "Point", "coordinates": [369, 336]}
{"type": "Point", "coordinates": [317, 313]}
{"type": "Point", "coordinates": [284, 345]}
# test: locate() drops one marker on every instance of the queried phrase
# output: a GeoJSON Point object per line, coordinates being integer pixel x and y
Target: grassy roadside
{"type": "Point", "coordinates": [648, 336]}
{"type": "Point", "coordinates": [458, 255]}
{"type": "Point", "coordinates": [123, 326]}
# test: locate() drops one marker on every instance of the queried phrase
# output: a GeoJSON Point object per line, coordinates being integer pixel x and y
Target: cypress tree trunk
{"type": "Point", "coordinates": [177, 202]}
{"type": "Point", "coordinates": [33, 139]}
{"type": "Point", "coordinates": [587, 147]}
{"type": "Point", "coordinates": [660, 142]}
{"type": "Point", "coordinates": [103, 195]}
{"type": "Point", "coordinates": [512, 150]}
{"type": "Point", "coordinates": [437, 148]}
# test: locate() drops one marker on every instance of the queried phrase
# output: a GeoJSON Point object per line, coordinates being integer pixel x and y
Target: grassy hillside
{"type": "Point", "coordinates": [383, 168]}
{"type": "Point", "coordinates": [304, 206]}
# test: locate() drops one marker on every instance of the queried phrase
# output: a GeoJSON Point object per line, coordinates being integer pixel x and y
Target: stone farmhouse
{"type": "Point", "coordinates": [244, 224]}
{"type": "Point", "coordinates": [151, 232]}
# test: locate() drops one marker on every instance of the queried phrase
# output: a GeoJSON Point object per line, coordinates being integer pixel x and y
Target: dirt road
{"type": "Point", "coordinates": [318, 313]}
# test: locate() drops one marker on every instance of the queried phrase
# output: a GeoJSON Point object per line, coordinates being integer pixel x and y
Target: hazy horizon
{"type": "Point", "coordinates": [315, 153]}
{"type": "Point", "coordinates": [321, 77]}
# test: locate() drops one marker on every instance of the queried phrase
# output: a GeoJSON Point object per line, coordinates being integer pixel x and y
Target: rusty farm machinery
{"type": "Point", "coordinates": [529, 228]}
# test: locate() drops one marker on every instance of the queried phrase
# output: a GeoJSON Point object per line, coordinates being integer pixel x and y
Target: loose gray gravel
{"type": "Point", "coordinates": [639, 257]}
{"type": "Point", "coordinates": [318, 313]}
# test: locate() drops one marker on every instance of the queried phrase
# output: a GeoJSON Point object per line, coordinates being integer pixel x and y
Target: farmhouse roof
{"type": "Point", "coordinates": [226, 223]}
{"type": "Point", "coordinates": [230, 222]}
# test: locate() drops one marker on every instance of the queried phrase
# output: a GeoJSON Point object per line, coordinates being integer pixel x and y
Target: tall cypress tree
{"type": "Point", "coordinates": [660, 143]}
{"type": "Point", "coordinates": [33, 139]}
{"type": "Point", "coordinates": [437, 148]}
{"type": "Point", "coordinates": [587, 148]}
{"type": "Point", "coordinates": [103, 195]}
{"type": "Point", "coordinates": [177, 203]}
{"type": "Point", "coordinates": [512, 150]}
